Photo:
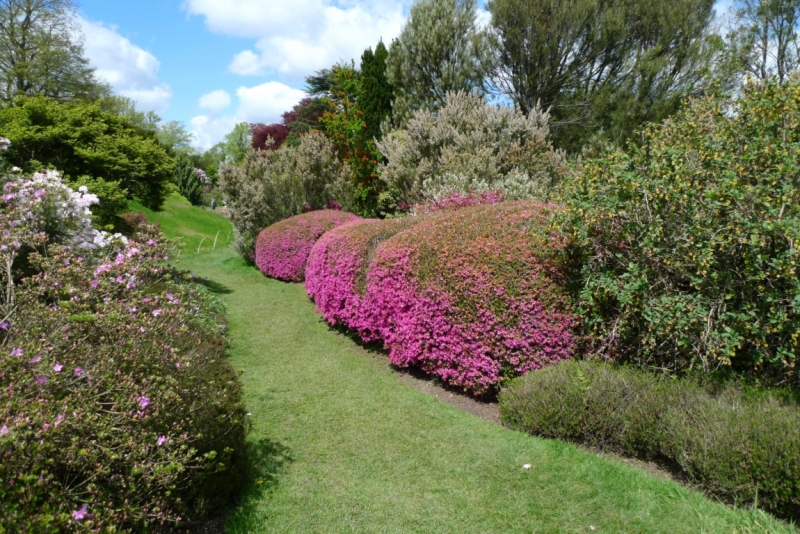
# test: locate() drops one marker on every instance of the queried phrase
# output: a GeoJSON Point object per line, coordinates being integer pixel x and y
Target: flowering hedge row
{"type": "Point", "coordinates": [473, 296]}
{"type": "Point", "coordinates": [119, 411]}
{"type": "Point", "coordinates": [282, 249]}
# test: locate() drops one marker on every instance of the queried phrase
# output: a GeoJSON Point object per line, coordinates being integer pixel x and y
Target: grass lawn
{"type": "Point", "coordinates": [341, 445]}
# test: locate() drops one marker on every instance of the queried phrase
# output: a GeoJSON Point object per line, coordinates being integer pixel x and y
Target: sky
{"type": "Point", "coordinates": [213, 63]}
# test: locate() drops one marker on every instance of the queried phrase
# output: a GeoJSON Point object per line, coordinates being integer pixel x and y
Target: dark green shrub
{"type": "Point", "coordinates": [738, 448]}
{"type": "Point", "coordinates": [689, 240]}
{"type": "Point", "coordinates": [188, 181]}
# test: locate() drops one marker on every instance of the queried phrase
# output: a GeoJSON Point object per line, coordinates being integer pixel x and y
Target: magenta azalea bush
{"type": "Point", "coordinates": [337, 267]}
{"type": "Point", "coordinates": [474, 296]}
{"type": "Point", "coordinates": [282, 249]}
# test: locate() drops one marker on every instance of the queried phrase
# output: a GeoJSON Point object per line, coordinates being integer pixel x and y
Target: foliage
{"type": "Point", "coordinates": [235, 144]}
{"type": "Point", "coordinates": [601, 68]}
{"type": "Point", "coordinates": [282, 248]}
{"type": "Point", "coordinates": [376, 91]}
{"type": "Point", "coordinates": [469, 145]}
{"type": "Point", "coordinates": [173, 134]}
{"type": "Point", "coordinates": [345, 125]}
{"type": "Point", "coordinates": [43, 52]}
{"type": "Point", "coordinates": [189, 181]}
{"type": "Point", "coordinates": [268, 136]}
{"type": "Point", "coordinates": [269, 187]}
{"type": "Point", "coordinates": [737, 448]}
{"type": "Point", "coordinates": [81, 140]}
{"type": "Point", "coordinates": [688, 243]}
{"type": "Point", "coordinates": [439, 50]}
{"type": "Point", "coordinates": [303, 118]}
{"type": "Point", "coordinates": [763, 38]}
{"type": "Point", "coordinates": [472, 297]}
{"type": "Point", "coordinates": [119, 411]}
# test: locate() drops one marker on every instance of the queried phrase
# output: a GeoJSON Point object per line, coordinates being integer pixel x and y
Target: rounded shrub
{"type": "Point", "coordinates": [338, 263]}
{"type": "Point", "coordinates": [282, 249]}
{"type": "Point", "coordinates": [473, 296]}
{"type": "Point", "coordinates": [689, 241]}
{"type": "Point", "coordinates": [742, 449]}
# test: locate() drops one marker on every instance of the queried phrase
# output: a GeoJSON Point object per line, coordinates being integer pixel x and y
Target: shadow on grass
{"type": "Point", "coordinates": [267, 460]}
{"type": "Point", "coordinates": [213, 286]}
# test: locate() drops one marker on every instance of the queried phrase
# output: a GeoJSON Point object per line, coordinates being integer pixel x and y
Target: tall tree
{"type": "Point", "coordinates": [41, 53]}
{"type": "Point", "coordinates": [439, 50]}
{"type": "Point", "coordinates": [600, 65]}
{"type": "Point", "coordinates": [764, 39]}
{"type": "Point", "coordinates": [268, 136]}
{"type": "Point", "coordinates": [174, 135]}
{"type": "Point", "coordinates": [376, 91]}
{"type": "Point", "coordinates": [236, 143]}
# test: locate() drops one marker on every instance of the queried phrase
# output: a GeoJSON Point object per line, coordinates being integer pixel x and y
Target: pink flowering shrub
{"type": "Point", "coordinates": [337, 266]}
{"type": "Point", "coordinates": [457, 200]}
{"type": "Point", "coordinates": [474, 296]}
{"type": "Point", "coordinates": [118, 410]}
{"type": "Point", "coordinates": [282, 248]}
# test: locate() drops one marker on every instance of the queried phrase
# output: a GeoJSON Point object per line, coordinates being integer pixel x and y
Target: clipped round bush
{"type": "Point", "coordinates": [282, 249]}
{"type": "Point", "coordinates": [474, 296]}
{"type": "Point", "coordinates": [338, 263]}
{"type": "Point", "coordinates": [741, 449]}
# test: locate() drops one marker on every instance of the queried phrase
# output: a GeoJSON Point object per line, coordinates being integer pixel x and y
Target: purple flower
{"type": "Point", "coordinates": [58, 367]}
{"type": "Point", "coordinates": [151, 242]}
{"type": "Point", "coordinates": [95, 283]}
{"type": "Point", "coordinates": [36, 359]}
{"type": "Point", "coordinates": [17, 352]}
{"type": "Point", "coordinates": [142, 329]}
{"type": "Point", "coordinates": [42, 380]}
{"type": "Point", "coordinates": [59, 419]}
{"type": "Point", "coordinates": [144, 402]}
{"type": "Point", "coordinates": [4, 325]}
{"type": "Point", "coordinates": [157, 312]}
{"type": "Point", "coordinates": [161, 440]}
{"type": "Point", "coordinates": [39, 193]}
{"type": "Point", "coordinates": [80, 513]}
{"type": "Point", "coordinates": [4, 431]}
{"type": "Point", "coordinates": [78, 371]}
{"type": "Point", "coordinates": [132, 309]}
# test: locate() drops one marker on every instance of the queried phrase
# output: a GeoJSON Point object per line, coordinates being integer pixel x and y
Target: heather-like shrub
{"type": "Point", "coordinates": [739, 448]}
{"type": "Point", "coordinates": [456, 200]}
{"type": "Point", "coordinates": [269, 186]}
{"type": "Point", "coordinates": [468, 145]}
{"type": "Point", "coordinates": [282, 249]}
{"type": "Point", "coordinates": [473, 296]}
{"type": "Point", "coordinates": [689, 241]}
{"type": "Point", "coordinates": [337, 267]}
{"type": "Point", "coordinates": [118, 411]}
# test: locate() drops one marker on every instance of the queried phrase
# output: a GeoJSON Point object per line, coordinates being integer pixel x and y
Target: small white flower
{"type": "Point", "coordinates": [526, 466]}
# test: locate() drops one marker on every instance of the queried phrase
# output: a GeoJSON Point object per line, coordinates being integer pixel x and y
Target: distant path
{"type": "Point", "coordinates": [342, 445]}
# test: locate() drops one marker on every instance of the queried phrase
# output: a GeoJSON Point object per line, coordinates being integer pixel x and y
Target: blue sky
{"type": "Point", "coordinates": [213, 63]}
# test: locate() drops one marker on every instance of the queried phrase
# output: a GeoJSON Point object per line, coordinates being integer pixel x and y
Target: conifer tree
{"type": "Point", "coordinates": [376, 91]}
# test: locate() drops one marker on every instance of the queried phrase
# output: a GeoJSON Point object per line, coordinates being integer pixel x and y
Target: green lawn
{"type": "Point", "coordinates": [340, 445]}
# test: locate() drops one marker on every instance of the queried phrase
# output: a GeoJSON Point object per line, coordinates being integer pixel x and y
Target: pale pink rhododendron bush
{"type": "Point", "coordinates": [474, 296]}
{"type": "Point", "coordinates": [282, 249]}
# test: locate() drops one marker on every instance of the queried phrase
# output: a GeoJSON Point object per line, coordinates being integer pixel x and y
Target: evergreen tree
{"type": "Point", "coordinates": [188, 181]}
{"type": "Point", "coordinates": [602, 68]}
{"type": "Point", "coordinates": [40, 53]}
{"type": "Point", "coordinates": [439, 50]}
{"type": "Point", "coordinates": [376, 91]}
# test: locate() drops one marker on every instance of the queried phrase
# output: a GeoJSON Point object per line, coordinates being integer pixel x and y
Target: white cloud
{"type": "Point", "coordinates": [293, 39]}
{"type": "Point", "coordinates": [266, 102]}
{"type": "Point", "coordinates": [215, 101]}
{"type": "Point", "coordinates": [130, 70]}
{"type": "Point", "coordinates": [262, 103]}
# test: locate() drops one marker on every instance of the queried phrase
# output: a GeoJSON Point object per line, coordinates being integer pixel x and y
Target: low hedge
{"type": "Point", "coordinates": [738, 448]}
{"type": "Point", "coordinates": [119, 411]}
{"type": "Point", "coordinates": [282, 248]}
{"type": "Point", "coordinates": [474, 296]}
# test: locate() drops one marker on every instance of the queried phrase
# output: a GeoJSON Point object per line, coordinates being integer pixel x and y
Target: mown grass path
{"type": "Point", "coordinates": [341, 445]}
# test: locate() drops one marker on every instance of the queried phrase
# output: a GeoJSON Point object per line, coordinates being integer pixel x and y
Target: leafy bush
{"type": "Point", "coordinates": [337, 267]}
{"type": "Point", "coordinates": [468, 145]}
{"type": "Point", "coordinates": [282, 249]}
{"type": "Point", "coordinates": [472, 296]}
{"type": "Point", "coordinates": [270, 186]}
{"type": "Point", "coordinates": [119, 410]}
{"type": "Point", "coordinates": [738, 448]}
{"type": "Point", "coordinates": [689, 242]}
{"type": "Point", "coordinates": [189, 181]}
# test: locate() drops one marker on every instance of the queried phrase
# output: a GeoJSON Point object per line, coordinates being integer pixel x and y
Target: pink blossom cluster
{"type": "Point", "coordinates": [473, 296]}
{"type": "Point", "coordinates": [457, 200]}
{"type": "Point", "coordinates": [283, 248]}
